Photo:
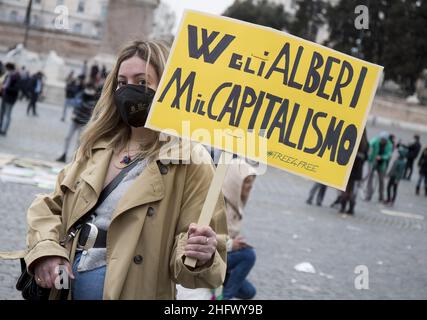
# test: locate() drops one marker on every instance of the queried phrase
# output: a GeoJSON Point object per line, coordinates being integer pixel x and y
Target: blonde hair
{"type": "Point", "coordinates": [106, 121]}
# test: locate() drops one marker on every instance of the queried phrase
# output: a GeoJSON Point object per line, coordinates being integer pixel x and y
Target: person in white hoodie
{"type": "Point", "coordinates": [240, 255]}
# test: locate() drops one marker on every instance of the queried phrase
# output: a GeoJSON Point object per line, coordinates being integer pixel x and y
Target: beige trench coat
{"type": "Point", "coordinates": [151, 221]}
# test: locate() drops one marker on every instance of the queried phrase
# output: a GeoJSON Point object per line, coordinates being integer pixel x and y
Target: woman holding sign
{"type": "Point", "coordinates": [120, 219]}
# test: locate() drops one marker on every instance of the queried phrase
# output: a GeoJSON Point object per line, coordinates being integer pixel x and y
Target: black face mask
{"type": "Point", "coordinates": [133, 102]}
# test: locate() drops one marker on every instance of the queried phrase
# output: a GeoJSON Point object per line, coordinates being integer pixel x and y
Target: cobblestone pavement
{"type": "Point", "coordinates": [284, 230]}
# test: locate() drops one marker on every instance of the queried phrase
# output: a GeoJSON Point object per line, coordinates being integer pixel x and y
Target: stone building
{"type": "Point", "coordinates": [64, 33]}
{"type": "Point", "coordinates": [76, 29]}
{"type": "Point", "coordinates": [127, 20]}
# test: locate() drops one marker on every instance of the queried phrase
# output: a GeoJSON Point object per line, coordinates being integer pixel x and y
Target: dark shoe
{"type": "Point", "coordinates": [309, 202]}
{"type": "Point", "coordinates": [62, 158]}
{"type": "Point", "coordinates": [417, 191]}
{"type": "Point", "coordinates": [318, 204]}
{"type": "Point", "coordinates": [350, 211]}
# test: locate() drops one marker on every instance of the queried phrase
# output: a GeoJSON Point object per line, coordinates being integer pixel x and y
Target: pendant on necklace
{"type": "Point", "coordinates": [126, 160]}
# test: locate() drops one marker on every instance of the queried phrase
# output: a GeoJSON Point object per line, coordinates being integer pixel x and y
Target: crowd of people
{"type": "Point", "coordinates": [373, 165]}
{"type": "Point", "coordinates": [14, 85]}
{"type": "Point", "coordinates": [81, 94]}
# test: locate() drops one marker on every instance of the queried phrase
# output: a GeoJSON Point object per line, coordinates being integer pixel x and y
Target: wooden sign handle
{"type": "Point", "coordinates": [212, 197]}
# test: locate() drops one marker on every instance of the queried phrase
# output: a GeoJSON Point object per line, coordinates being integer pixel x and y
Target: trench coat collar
{"type": "Point", "coordinates": [149, 185]}
{"type": "Point", "coordinates": [97, 167]}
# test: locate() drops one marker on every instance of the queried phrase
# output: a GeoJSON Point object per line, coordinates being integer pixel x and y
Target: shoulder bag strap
{"type": "Point", "coordinates": [104, 194]}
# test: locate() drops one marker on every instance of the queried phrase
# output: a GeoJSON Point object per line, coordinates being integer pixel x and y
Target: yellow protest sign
{"type": "Point", "coordinates": [254, 84]}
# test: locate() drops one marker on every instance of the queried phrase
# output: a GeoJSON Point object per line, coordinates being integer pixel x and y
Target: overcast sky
{"type": "Point", "coordinates": [209, 6]}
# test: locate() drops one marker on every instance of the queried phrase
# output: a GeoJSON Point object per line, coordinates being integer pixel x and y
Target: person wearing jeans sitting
{"type": "Point", "coordinates": [240, 255]}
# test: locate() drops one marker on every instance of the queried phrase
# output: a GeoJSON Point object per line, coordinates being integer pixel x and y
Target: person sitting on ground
{"type": "Point", "coordinates": [240, 255]}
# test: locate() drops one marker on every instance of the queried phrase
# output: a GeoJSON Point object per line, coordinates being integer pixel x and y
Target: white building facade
{"type": "Point", "coordinates": [78, 17]}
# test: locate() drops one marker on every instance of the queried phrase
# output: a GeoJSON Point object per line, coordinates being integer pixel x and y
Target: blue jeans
{"type": "Point", "coordinates": [321, 190]}
{"type": "Point", "coordinates": [87, 285]}
{"type": "Point", "coordinates": [69, 102]}
{"type": "Point", "coordinates": [420, 180]}
{"type": "Point", "coordinates": [5, 116]}
{"type": "Point", "coordinates": [239, 264]}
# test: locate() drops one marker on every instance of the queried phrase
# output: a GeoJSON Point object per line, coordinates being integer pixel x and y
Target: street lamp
{"type": "Point", "coordinates": [27, 22]}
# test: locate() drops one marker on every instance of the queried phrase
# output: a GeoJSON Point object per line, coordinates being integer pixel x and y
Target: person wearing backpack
{"type": "Point", "coordinates": [85, 102]}
{"type": "Point", "coordinates": [73, 87]}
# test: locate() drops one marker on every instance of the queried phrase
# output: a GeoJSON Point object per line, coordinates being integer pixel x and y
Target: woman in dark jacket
{"type": "Point", "coordinates": [350, 193]}
{"type": "Point", "coordinates": [9, 93]}
{"type": "Point", "coordinates": [422, 164]}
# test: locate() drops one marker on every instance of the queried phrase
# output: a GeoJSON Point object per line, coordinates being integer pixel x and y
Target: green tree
{"type": "Point", "coordinates": [263, 12]}
{"type": "Point", "coordinates": [405, 48]}
{"type": "Point", "coordinates": [364, 43]}
{"type": "Point", "coordinates": [309, 17]}
{"type": "Point", "coordinates": [395, 38]}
